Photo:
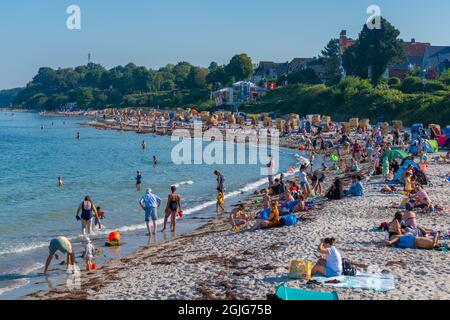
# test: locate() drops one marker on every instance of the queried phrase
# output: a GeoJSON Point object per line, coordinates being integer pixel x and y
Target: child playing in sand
{"type": "Point", "coordinates": [220, 201]}
{"type": "Point", "coordinates": [89, 251]}
{"type": "Point", "coordinates": [239, 218]}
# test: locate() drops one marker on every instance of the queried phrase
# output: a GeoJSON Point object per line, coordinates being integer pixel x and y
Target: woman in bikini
{"type": "Point", "coordinates": [87, 209]}
{"type": "Point", "coordinates": [172, 208]}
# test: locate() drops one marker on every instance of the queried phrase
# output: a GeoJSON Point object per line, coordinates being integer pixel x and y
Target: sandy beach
{"type": "Point", "coordinates": [215, 263]}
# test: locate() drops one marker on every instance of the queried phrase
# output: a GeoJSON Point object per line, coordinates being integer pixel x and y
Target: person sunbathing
{"type": "Point", "coordinates": [287, 196]}
{"type": "Point", "coordinates": [356, 189]}
{"type": "Point", "coordinates": [331, 265]}
{"type": "Point", "coordinates": [410, 241]}
{"type": "Point", "coordinates": [422, 199]}
{"type": "Point", "coordinates": [395, 227]}
{"type": "Point", "coordinates": [272, 221]}
{"type": "Point", "coordinates": [409, 220]}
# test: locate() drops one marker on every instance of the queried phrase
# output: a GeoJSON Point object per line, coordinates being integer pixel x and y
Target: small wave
{"type": "Point", "coordinates": [98, 233]}
{"type": "Point", "coordinates": [184, 183]}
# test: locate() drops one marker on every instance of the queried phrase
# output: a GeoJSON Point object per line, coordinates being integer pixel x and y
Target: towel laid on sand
{"type": "Point", "coordinates": [376, 282]}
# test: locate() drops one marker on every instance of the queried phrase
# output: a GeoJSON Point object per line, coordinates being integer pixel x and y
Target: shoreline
{"type": "Point", "coordinates": [247, 266]}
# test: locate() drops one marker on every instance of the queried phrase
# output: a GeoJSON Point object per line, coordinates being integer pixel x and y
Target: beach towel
{"type": "Point", "coordinates": [292, 294]}
{"type": "Point", "coordinates": [365, 281]}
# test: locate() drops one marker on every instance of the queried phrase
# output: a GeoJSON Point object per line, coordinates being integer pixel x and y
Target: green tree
{"type": "Point", "coordinates": [240, 67]}
{"type": "Point", "coordinates": [307, 76]}
{"type": "Point", "coordinates": [374, 50]}
{"type": "Point", "coordinates": [332, 57]}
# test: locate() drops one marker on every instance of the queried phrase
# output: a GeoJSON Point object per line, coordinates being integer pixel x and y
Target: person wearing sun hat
{"type": "Point", "coordinates": [150, 204]}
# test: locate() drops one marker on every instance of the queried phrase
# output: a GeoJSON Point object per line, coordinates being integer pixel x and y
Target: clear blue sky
{"type": "Point", "coordinates": [153, 33]}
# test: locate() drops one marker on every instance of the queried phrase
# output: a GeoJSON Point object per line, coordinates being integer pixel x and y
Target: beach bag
{"type": "Point", "coordinates": [348, 269]}
{"type": "Point", "coordinates": [300, 270]}
{"type": "Point", "coordinates": [289, 220]}
{"type": "Point", "coordinates": [264, 214]}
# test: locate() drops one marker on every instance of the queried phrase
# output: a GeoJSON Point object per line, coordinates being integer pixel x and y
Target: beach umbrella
{"type": "Point", "coordinates": [396, 154]}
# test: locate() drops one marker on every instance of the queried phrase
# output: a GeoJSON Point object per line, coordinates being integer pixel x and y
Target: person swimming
{"type": "Point", "coordinates": [60, 182]}
{"type": "Point", "coordinates": [138, 180]}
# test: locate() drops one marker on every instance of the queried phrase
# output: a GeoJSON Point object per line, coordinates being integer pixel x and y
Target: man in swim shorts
{"type": "Point", "coordinates": [63, 245]}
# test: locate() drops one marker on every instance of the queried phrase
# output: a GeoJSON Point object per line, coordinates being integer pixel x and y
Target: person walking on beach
{"type": "Point", "coordinates": [63, 245]}
{"type": "Point", "coordinates": [87, 209]}
{"type": "Point", "coordinates": [138, 180]}
{"type": "Point", "coordinates": [220, 180]}
{"type": "Point", "coordinates": [150, 204]}
{"type": "Point", "coordinates": [271, 166]}
{"type": "Point", "coordinates": [172, 208]}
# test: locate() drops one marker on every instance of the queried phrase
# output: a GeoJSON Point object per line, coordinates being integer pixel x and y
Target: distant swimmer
{"type": "Point", "coordinates": [144, 145]}
{"type": "Point", "coordinates": [155, 161]}
{"type": "Point", "coordinates": [60, 182]}
{"type": "Point", "coordinates": [63, 245]}
{"type": "Point", "coordinates": [78, 136]}
{"type": "Point", "coordinates": [42, 127]}
{"type": "Point", "coordinates": [138, 180]}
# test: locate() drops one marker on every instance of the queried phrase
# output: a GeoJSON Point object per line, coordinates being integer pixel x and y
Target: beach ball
{"type": "Point", "coordinates": [114, 236]}
{"type": "Point", "coordinates": [302, 148]}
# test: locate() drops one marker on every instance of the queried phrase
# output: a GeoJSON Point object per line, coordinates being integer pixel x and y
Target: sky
{"type": "Point", "coordinates": [153, 33]}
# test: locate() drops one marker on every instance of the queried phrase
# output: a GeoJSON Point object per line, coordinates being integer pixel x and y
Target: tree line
{"type": "Point", "coordinates": [93, 86]}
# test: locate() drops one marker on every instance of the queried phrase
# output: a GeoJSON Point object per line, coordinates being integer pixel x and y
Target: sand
{"type": "Point", "coordinates": [215, 263]}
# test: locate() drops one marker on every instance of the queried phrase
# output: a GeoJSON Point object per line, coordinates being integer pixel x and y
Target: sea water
{"type": "Point", "coordinates": [35, 150]}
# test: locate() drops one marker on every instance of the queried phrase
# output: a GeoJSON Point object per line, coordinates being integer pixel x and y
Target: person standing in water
{"type": "Point", "coordinates": [172, 208]}
{"type": "Point", "coordinates": [150, 204]}
{"type": "Point", "coordinates": [63, 245]}
{"type": "Point", "coordinates": [155, 160]}
{"type": "Point", "coordinates": [144, 145]}
{"type": "Point", "coordinates": [220, 181]}
{"type": "Point", "coordinates": [138, 180]}
{"type": "Point", "coordinates": [78, 136]}
{"type": "Point", "coordinates": [60, 182]}
{"type": "Point", "coordinates": [271, 166]}
{"type": "Point", "coordinates": [87, 209]}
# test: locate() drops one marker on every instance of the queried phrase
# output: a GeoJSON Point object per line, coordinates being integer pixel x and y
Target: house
{"type": "Point", "coordinates": [237, 94]}
{"type": "Point", "coordinates": [418, 55]}
{"type": "Point", "coordinates": [436, 60]}
{"type": "Point", "coordinates": [270, 70]}
{"type": "Point", "coordinates": [299, 64]}
{"type": "Point", "coordinates": [345, 42]}
{"type": "Point", "coordinates": [415, 52]}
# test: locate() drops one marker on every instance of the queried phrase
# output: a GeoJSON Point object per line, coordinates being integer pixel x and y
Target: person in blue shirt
{"type": "Point", "coordinates": [357, 188]}
{"type": "Point", "coordinates": [150, 204]}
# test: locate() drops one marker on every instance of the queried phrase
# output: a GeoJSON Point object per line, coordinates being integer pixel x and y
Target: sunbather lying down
{"type": "Point", "coordinates": [409, 241]}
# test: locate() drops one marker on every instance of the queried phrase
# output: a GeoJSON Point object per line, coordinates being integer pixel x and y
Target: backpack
{"type": "Point", "coordinates": [348, 269]}
{"type": "Point", "coordinates": [289, 220]}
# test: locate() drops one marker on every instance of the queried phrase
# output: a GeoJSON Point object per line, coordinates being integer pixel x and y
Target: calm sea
{"type": "Point", "coordinates": [102, 164]}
